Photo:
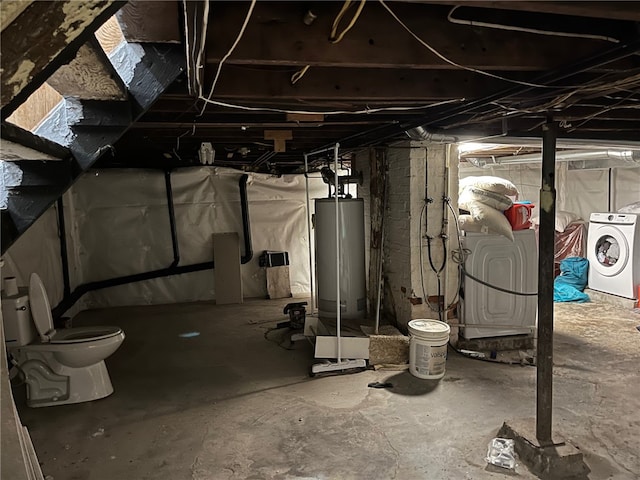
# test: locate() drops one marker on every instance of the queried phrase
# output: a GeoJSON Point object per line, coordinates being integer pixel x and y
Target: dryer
{"type": "Point", "coordinates": [613, 251]}
{"type": "Point", "coordinates": [487, 312]}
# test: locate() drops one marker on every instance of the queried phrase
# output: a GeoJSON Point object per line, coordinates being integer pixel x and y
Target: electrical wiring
{"type": "Point", "coordinates": [463, 67]}
{"type": "Point", "coordinates": [515, 28]}
{"type": "Point", "coordinates": [337, 37]}
{"type": "Point", "coordinates": [559, 101]}
{"type": "Point", "coordinates": [226, 56]}
{"type": "Point", "coordinates": [460, 256]}
{"type": "Point", "coordinates": [203, 40]}
{"type": "Point", "coordinates": [334, 37]}
{"type": "Point", "coordinates": [299, 74]}
{"type": "Point", "coordinates": [585, 120]}
{"type": "Point", "coordinates": [186, 36]}
{"type": "Point", "coordinates": [332, 112]}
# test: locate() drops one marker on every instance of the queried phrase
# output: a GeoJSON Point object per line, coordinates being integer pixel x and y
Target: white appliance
{"type": "Point", "coordinates": [353, 296]}
{"type": "Point", "coordinates": [613, 251]}
{"type": "Point", "coordinates": [513, 266]}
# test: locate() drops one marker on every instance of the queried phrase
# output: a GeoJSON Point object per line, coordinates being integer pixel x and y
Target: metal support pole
{"type": "Point", "coordinates": [338, 307]}
{"type": "Point", "coordinates": [311, 269]}
{"type": "Point", "coordinates": [544, 399]}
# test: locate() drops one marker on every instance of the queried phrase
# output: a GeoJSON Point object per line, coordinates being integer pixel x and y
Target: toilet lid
{"type": "Point", "coordinates": [40, 308]}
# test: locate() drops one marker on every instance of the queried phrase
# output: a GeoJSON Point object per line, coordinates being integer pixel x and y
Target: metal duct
{"type": "Point", "coordinates": [593, 158]}
{"type": "Point", "coordinates": [420, 134]}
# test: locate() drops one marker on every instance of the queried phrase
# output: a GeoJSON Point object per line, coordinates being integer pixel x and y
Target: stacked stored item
{"type": "Point", "coordinates": [499, 268]}
{"type": "Point", "coordinates": [486, 199]}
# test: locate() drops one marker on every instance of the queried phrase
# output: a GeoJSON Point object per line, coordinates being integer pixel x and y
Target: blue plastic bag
{"type": "Point", "coordinates": [569, 285]}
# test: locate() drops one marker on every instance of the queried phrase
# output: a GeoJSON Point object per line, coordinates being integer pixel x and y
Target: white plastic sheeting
{"type": "Point", "coordinates": [123, 229]}
{"type": "Point", "coordinates": [37, 250]}
{"type": "Point", "coordinates": [117, 224]}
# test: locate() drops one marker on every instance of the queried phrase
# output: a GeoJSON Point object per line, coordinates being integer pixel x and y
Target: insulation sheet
{"type": "Point", "coordinates": [123, 228]}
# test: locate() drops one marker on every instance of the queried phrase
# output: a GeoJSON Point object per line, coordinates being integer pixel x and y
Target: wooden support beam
{"type": "Point", "coordinates": [9, 11]}
{"type": "Point", "coordinates": [609, 10]}
{"type": "Point", "coordinates": [31, 55]}
{"type": "Point", "coordinates": [305, 117]}
{"type": "Point", "coordinates": [89, 76]}
{"type": "Point", "coordinates": [150, 21]}
{"type": "Point", "coordinates": [276, 35]}
{"type": "Point", "coordinates": [279, 138]}
{"type": "Point", "coordinates": [364, 85]}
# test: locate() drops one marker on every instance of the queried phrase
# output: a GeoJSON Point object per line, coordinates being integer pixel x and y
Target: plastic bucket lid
{"type": "Point", "coordinates": [429, 329]}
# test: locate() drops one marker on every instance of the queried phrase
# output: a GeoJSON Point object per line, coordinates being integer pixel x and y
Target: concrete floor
{"type": "Point", "coordinates": [228, 404]}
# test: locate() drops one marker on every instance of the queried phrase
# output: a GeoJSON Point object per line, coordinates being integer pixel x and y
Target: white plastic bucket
{"type": "Point", "coordinates": [428, 348]}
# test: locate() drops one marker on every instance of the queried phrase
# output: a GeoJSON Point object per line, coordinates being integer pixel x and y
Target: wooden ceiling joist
{"type": "Point", "coordinates": [347, 84]}
{"type": "Point", "coordinates": [277, 36]}
{"type": "Point", "coordinates": [610, 10]}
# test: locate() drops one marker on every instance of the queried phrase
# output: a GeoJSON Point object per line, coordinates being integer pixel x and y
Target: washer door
{"type": "Point", "coordinates": [610, 251]}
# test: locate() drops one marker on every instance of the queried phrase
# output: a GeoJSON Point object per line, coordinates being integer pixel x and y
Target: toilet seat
{"type": "Point", "coordinates": [41, 313]}
{"type": "Point", "coordinates": [78, 335]}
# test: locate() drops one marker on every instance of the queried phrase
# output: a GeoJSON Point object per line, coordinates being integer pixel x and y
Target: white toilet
{"type": "Point", "coordinates": [61, 366]}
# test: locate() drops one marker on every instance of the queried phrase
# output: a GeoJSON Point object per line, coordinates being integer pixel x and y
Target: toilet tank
{"type": "Point", "coordinates": [19, 329]}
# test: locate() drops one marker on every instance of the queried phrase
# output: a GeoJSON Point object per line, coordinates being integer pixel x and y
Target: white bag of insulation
{"type": "Point", "coordinates": [498, 185]}
{"type": "Point", "coordinates": [485, 219]}
{"type": "Point", "coordinates": [471, 194]}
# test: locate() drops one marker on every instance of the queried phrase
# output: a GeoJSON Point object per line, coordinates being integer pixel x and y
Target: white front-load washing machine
{"type": "Point", "coordinates": [613, 251]}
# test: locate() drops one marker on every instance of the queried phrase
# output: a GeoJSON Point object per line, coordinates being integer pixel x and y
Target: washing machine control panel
{"type": "Point", "coordinates": [615, 218]}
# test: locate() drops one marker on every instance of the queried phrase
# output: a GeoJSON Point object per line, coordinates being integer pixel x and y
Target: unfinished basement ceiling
{"type": "Point", "coordinates": [282, 87]}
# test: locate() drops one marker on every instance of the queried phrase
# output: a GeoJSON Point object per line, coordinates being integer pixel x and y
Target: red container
{"type": "Point", "coordinates": [519, 215]}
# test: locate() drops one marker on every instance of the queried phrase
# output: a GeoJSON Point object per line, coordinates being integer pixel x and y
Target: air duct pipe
{"type": "Point", "coordinates": [420, 134]}
{"type": "Point", "coordinates": [630, 158]}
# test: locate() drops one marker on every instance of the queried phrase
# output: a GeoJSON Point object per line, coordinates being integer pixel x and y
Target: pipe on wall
{"type": "Point", "coordinates": [172, 218]}
{"type": "Point", "coordinates": [70, 299]}
{"type": "Point", "coordinates": [64, 254]}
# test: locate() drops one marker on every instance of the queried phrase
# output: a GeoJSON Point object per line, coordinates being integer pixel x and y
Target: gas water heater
{"type": "Point", "coordinates": [353, 300]}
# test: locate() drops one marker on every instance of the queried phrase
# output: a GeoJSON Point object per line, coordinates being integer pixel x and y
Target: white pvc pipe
{"type": "Point", "coordinates": [306, 181]}
{"type": "Point", "coordinates": [338, 323]}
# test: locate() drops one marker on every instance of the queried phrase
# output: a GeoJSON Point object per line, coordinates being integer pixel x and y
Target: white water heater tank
{"type": "Point", "coordinates": [353, 299]}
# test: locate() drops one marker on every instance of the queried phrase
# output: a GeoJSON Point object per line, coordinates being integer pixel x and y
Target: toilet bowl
{"type": "Point", "coordinates": [61, 366]}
